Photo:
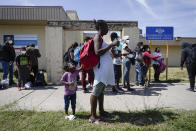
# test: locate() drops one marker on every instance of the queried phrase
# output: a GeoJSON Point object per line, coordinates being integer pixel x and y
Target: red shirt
{"type": "Point", "coordinates": [148, 56]}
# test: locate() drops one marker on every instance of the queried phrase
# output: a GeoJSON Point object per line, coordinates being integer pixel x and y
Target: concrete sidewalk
{"type": "Point", "coordinates": [51, 98]}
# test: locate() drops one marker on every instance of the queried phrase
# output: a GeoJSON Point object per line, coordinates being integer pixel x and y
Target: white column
{"type": "Point", "coordinates": [133, 32]}
{"type": "Point", "coordinates": [54, 53]}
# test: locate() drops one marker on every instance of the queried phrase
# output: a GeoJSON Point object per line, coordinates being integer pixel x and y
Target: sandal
{"type": "Point", "coordinates": [96, 121]}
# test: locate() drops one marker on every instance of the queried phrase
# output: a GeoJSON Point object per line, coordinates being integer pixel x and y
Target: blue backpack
{"type": "Point", "coordinates": [77, 54]}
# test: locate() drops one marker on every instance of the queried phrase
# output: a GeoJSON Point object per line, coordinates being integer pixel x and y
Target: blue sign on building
{"type": "Point", "coordinates": [159, 33]}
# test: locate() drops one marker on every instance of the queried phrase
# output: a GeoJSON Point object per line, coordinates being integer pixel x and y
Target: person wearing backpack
{"type": "Point", "coordinates": [34, 54]}
{"type": "Point", "coordinates": [77, 53]}
{"type": "Point", "coordinates": [188, 56]}
{"type": "Point", "coordinates": [85, 72]}
{"type": "Point", "coordinates": [138, 64]}
{"type": "Point", "coordinates": [127, 55]}
{"type": "Point", "coordinates": [71, 53]}
{"type": "Point", "coordinates": [104, 71]}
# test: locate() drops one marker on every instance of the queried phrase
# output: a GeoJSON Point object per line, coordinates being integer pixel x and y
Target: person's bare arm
{"type": "Point", "coordinates": [125, 54]}
{"type": "Point", "coordinates": [97, 46]}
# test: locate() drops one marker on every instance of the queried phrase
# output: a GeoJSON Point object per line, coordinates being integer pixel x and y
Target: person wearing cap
{"type": "Point", "coordinates": [5, 56]}
{"type": "Point", "coordinates": [127, 55]}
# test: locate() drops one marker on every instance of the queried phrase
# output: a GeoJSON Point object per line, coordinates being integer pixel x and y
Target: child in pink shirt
{"type": "Point", "coordinates": [69, 78]}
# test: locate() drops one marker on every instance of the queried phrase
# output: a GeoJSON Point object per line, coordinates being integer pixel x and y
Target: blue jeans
{"type": "Point", "coordinates": [67, 99]}
{"type": "Point", "coordinates": [138, 73]}
{"type": "Point", "coordinates": [11, 68]}
{"type": "Point", "coordinates": [127, 69]}
{"type": "Point", "coordinates": [5, 66]}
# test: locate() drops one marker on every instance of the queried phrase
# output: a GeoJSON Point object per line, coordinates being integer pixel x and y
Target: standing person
{"type": "Point", "coordinates": [138, 64]}
{"type": "Point", "coordinates": [11, 65]}
{"type": "Point", "coordinates": [23, 65]}
{"type": "Point", "coordinates": [90, 74]}
{"type": "Point", "coordinates": [104, 71]}
{"type": "Point", "coordinates": [69, 78]}
{"type": "Point", "coordinates": [127, 53]}
{"type": "Point", "coordinates": [156, 64]}
{"type": "Point", "coordinates": [117, 62]}
{"type": "Point", "coordinates": [5, 56]}
{"type": "Point", "coordinates": [71, 53]}
{"type": "Point", "coordinates": [34, 54]}
{"type": "Point", "coordinates": [187, 57]}
{"type": "Point", "coordinates": [146, 57]}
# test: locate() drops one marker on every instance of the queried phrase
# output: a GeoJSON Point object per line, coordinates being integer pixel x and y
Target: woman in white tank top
{"type": "Point", "coordinates": [104, 72]}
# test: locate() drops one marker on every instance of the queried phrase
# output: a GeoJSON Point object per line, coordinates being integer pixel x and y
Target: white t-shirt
{"type": "Point", "coordinates": [117, 60]}
{"type": "Point", "coordinates": [124, 48]}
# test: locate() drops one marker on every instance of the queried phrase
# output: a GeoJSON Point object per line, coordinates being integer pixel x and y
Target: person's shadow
{"type": "Point", "coordinates": [153, 90]}
{"type": "Point", "coordinates": [138, 118]}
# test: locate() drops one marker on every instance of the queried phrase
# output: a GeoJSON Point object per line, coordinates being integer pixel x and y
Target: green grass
{"type": "Point", "coordinates": [138, 120]}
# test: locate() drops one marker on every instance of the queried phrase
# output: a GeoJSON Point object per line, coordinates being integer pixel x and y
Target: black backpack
{"type": "Point", "coordinates": [66, 57]}
{"type": "Point", "coordinates": [40, 79]}
{"type": "Point", "coordinates": [193, 54]}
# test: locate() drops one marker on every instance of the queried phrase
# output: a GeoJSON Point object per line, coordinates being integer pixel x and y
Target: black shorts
{"type": "Point", "coordinates": [117, 72]}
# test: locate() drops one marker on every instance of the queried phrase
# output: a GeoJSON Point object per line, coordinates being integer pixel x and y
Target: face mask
{"type": "Point", "coordinates": [10, 41]}
{"type": "Point", "coordinates": [148, 49]}
{"type": "Point", "coordinates": [141, 47]}
{"type": "Point", "coordinates": [23, 52]}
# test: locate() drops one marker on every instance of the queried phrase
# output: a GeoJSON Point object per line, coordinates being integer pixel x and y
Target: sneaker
{"type": "Point", "coordinates": [72, 117]}
{"type": "Point", "coordinates": [89, 86]}
{"type": "Point", "coordinates": [114, 91]}
{"type": "Point", "coordinates": [66, 117]}
{"type": "Point", "coordinates": [19, 88]}
{"type": "Point", "coordinates": [120, 89]}
{"type": "Point", "coordinates": [194, 89]}
{"type": "Point", "coordinates": [130, 89]}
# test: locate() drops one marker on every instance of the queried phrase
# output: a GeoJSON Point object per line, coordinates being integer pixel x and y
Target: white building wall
{"type": "Point", "coordinates": [133, 32]}
{"type": "Point", "coordinates": [54, 53]}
